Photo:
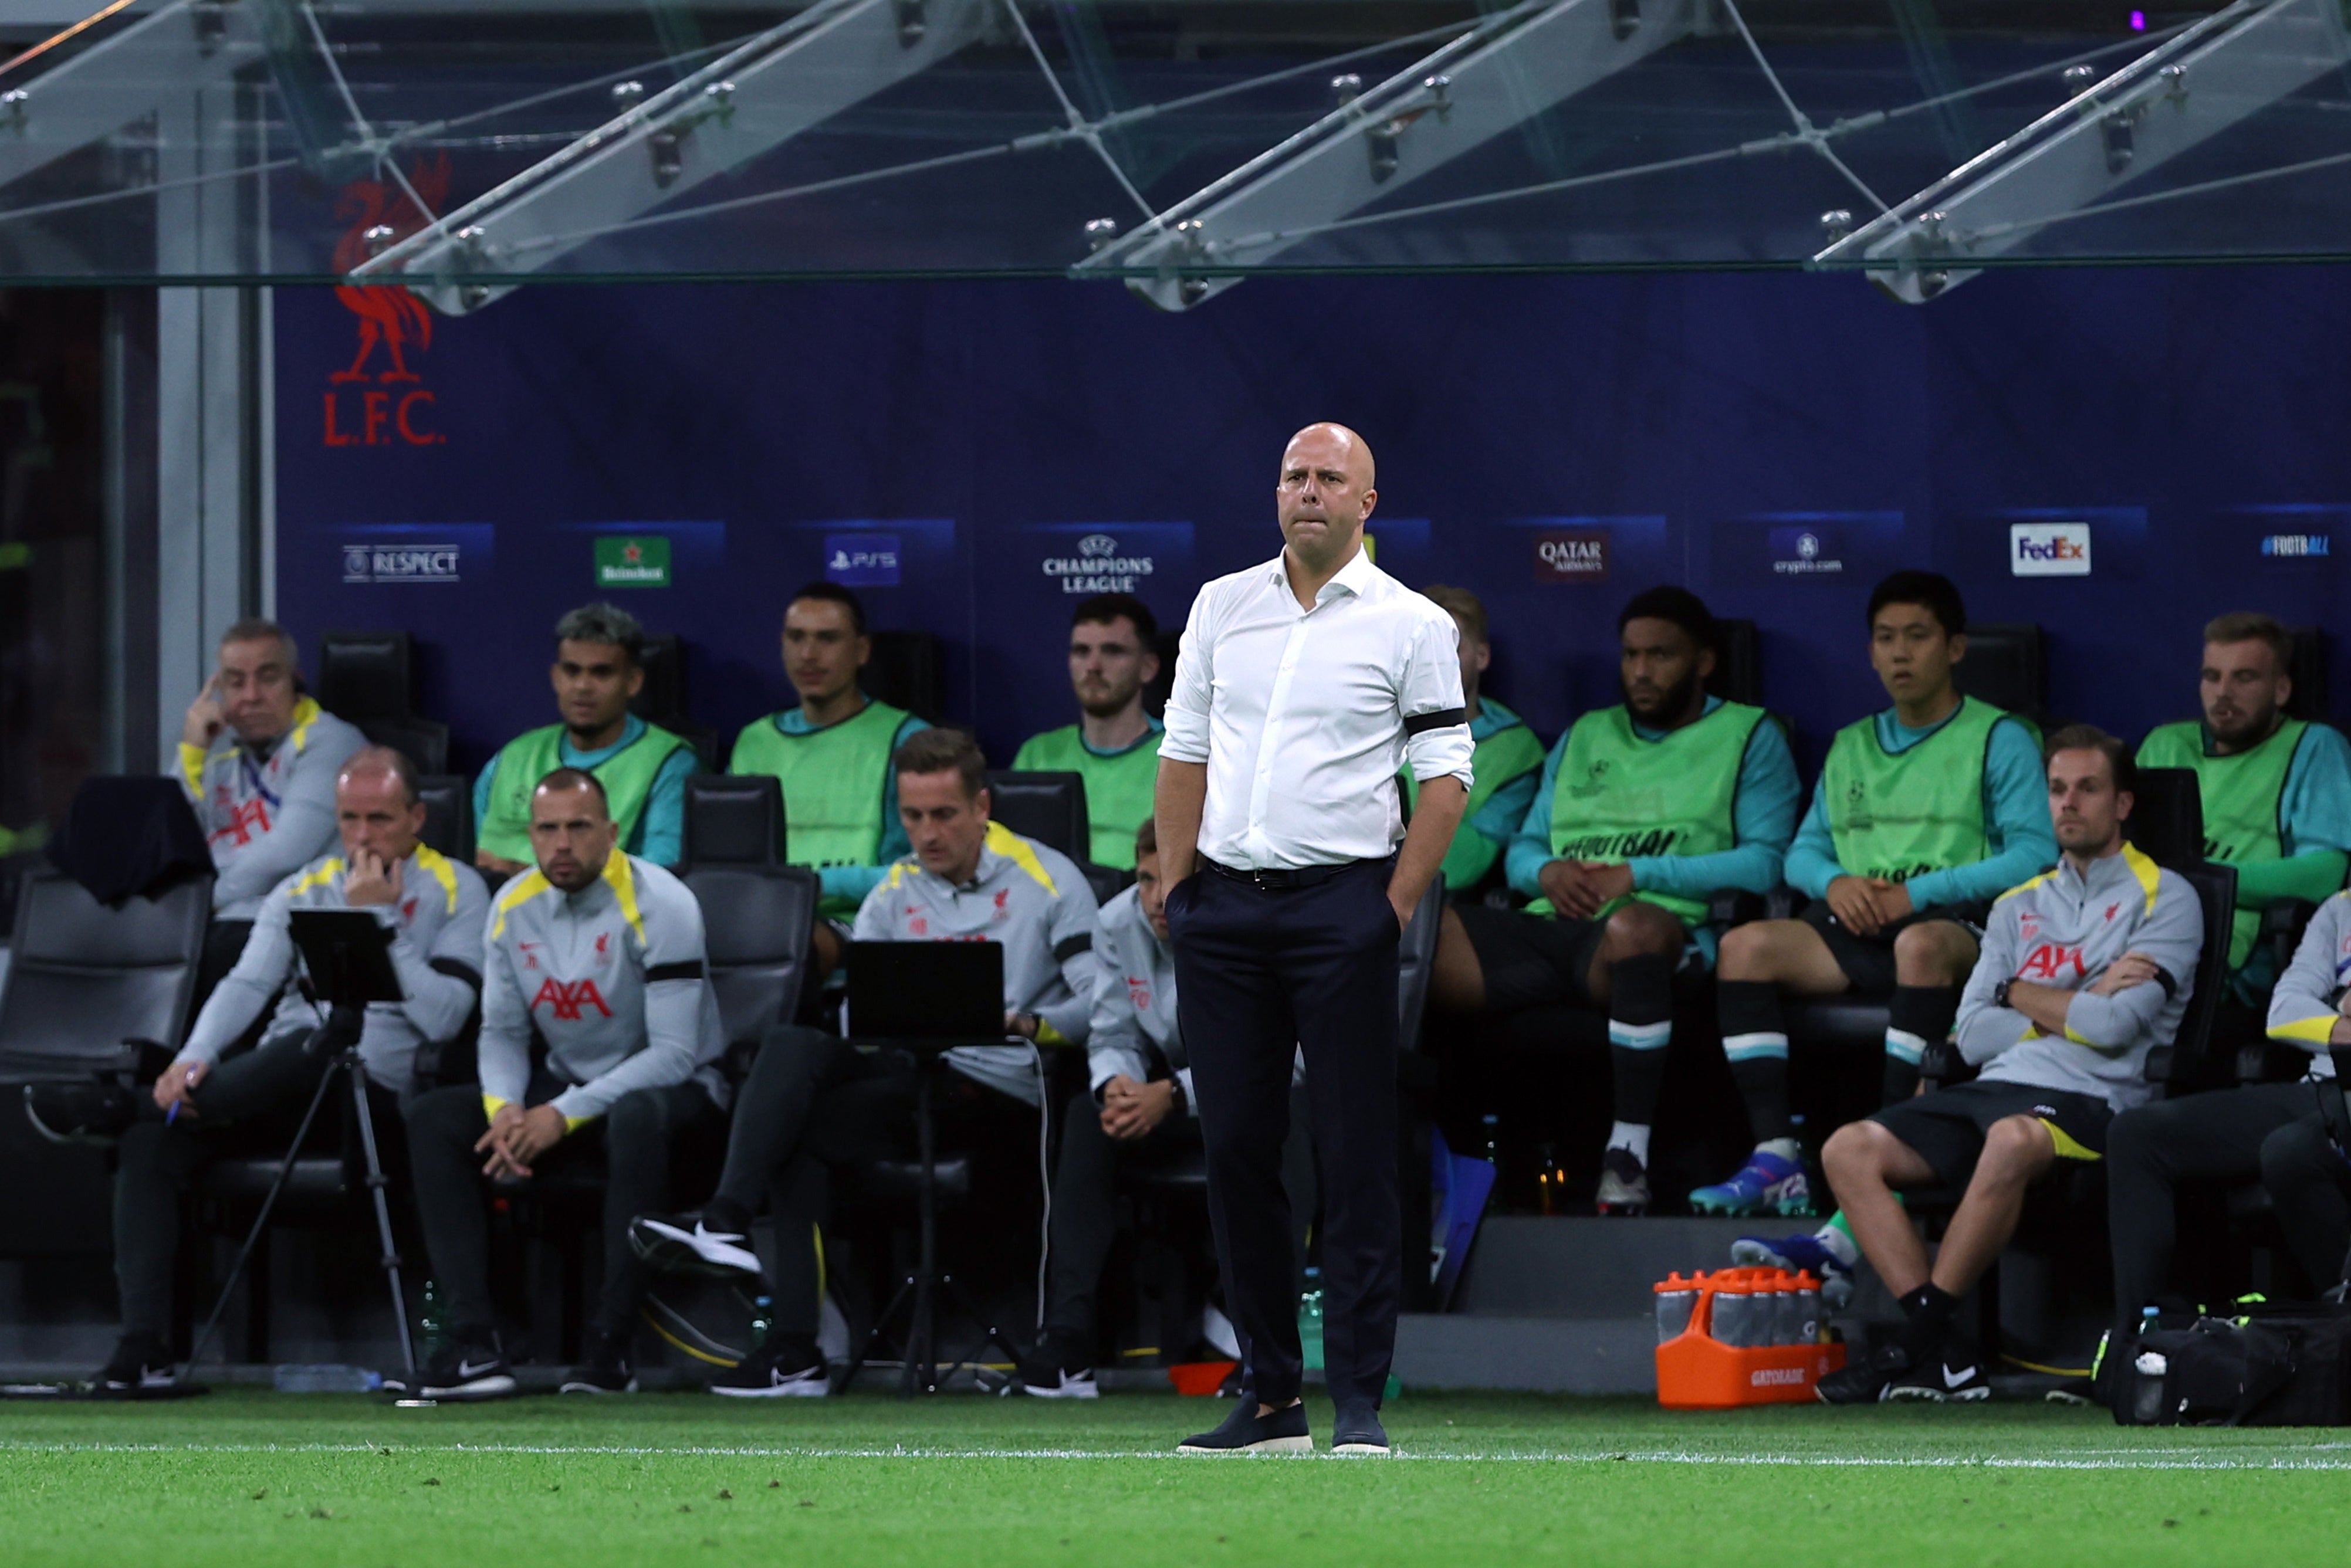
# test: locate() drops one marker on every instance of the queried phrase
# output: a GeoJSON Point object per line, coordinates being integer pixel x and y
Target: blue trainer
{"type": "Point", "coordinates": [1796, 1254]}
{"type": "Point", "coordinates": [1766, 1184]}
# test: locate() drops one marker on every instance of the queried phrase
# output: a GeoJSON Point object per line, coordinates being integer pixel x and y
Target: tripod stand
{"type": "Point", "coordinates": [920, 1293]}
{"type": "Point", "coordinates": [345, 952]}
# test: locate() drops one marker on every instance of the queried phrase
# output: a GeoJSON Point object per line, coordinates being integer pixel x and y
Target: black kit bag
{"type": "Point", "coordinates": [2271, 1365]}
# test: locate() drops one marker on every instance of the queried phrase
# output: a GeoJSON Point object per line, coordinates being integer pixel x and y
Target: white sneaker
{"type": "Point", "coordinates": [668, 1245]}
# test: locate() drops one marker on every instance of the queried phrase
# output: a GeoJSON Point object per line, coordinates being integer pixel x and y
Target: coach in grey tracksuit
{"type": "Point", "coordinates": [2273, 1132]}
{"type": "Point", "coordinates": [613, 976]}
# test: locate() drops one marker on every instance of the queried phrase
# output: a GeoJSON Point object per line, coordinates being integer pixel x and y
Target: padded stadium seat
{"type": "Point", "coordinates": [1737, 662]}
{"type": "Point", "coordinates": [1049, 807]}
{"type": "Point", "coordinates": [2007, 667]}
{"type": "Point", "coordinates": [368, 675]}
{"type": "Point", "coordinates": [734, 820]}
{"type": "Point", "coordinates": [1107, 881]}
{"type": "Point", "coordinates": [2167, 823]}
{"type": "Point", "coordinates": [662, 699]}
{"type": "Point", "coordinates": [905, 672]}
{"type": "Point", "coordinates": [423, 741]}
{"type": "Point", "coordinates": [2307, 664]}
{"type": "Point", "coordinates": [757, 920]}
{"type": "Point", "coordinates": [84, 979]}
{"type": "Point", "coordinates": [1169, 643]}
{"type": "Point", "coordinates": [448, 815]}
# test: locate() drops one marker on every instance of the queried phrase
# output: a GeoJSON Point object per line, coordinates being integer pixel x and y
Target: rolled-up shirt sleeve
{"type": "Point", "coordinates": [1186, 718]}
{"type": "Point", "coordinates": [1436, 715]}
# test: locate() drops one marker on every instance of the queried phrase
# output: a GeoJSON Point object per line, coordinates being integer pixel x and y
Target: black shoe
{"type": "Point", "coordinates": [467, 1368]}
{"type": "Point", "coordinates": [1246, 1432]}
{"type": "Point", "coordinates": [1956, 1373]}
{"type": "Point", "coordinates": [141, 1364]}
{"type": "Point", "coordinates": [1358, 1429]}
{"type": "Point", "coordinates": [1865, 1381]}
{"type": "Point", "coordinates": [1057, 1368]}
{"type": "Point", "coordinates": [606, 1370]}
{"type": "Point", "coordinates": [681, 1244]}
{"type": "Point", "coordinates": [784, 1366]}
{"type": "Point", "coordinates": [81, 1111]}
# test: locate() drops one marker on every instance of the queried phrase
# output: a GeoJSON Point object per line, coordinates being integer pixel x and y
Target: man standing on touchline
{"type": "Point", "coordinates": [1304, 685]}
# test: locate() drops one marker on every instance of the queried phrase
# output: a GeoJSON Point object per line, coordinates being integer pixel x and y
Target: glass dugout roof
{"type": "Point", "coordinates": [463, 147]}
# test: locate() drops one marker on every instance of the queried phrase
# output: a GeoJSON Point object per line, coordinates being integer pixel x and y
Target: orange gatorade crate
{"type": "Point", "coordinates": [1741, 1336]}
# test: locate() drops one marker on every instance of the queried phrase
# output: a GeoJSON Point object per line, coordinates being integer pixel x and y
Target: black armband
{"type": "Point", "coordinates": [689, 969]}
{"type": "Point", "coordinates": [1068, 948]}
{"type": "Point", "coordinates": [1443, 718]}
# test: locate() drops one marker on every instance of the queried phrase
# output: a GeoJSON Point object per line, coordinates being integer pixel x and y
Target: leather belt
{"type": "Point", "coordinates": [1297, 877]}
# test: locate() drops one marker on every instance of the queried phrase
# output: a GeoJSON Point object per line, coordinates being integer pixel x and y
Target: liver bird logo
{"type": "Point", "coordinates": [389, 314]}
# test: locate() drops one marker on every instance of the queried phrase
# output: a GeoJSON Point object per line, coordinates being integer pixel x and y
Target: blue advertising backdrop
{"type": "Point", "coordinates": [975, 455]}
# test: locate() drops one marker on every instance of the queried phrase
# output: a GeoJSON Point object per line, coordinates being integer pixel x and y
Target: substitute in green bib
{"type": "Point", "coordinates": [1114, 745]}
{"type": "Point", "coordinates": [1641, 813]}
{"type": "Point", "coordinates": [832, 755]}
{"type": "Point", "coordinates": [598, 655]}
{"type": "Point", "coordinates": [2277, 790]}
{"type": "Point", "coordinates": [1925, 813]}
{"type": "Point", "coordinates": [1508, 756]}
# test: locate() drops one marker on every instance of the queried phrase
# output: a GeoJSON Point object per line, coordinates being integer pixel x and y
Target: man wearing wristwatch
{"type": "Point", "coordinates": [813, 1102]}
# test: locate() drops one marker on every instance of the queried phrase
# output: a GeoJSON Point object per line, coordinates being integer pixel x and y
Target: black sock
{"type": "Point", "coordinates": [723, 1218]}
{"type": "Point", "coordinates": [1927, 1310]}
{"type": "Point", "coordinates": [1920, 1016]}
{"type": "Point", "coordinates": [1755, 1039]}
{"type": "Point", "coordinates": [1640, 1021]}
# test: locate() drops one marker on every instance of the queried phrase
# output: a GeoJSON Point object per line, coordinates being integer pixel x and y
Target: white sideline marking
{"type": "Point", "coordinates": [2090, 1460]}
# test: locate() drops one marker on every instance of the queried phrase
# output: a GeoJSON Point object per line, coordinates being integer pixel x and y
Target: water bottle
{"type": "Point", "coordinates": [329, 1379]}
{"type": "Point", "coordinates": [1808, 1309]}
{"type": "Point", "coordinates": [2147, 1399]}
{"type": "Point", "coordinates": [1732, 1322]}
{"type": "Point", "coordinates": [1310, 1321]}
{"type": "Point", "coordinates": [763, 1319]}
{"type": "Point", "coordinates": [1676, 1298]}
{"type": "Point", "coordinates": [431, 1331]}
{"type": "Point", "coordinates": [1784, 1311]}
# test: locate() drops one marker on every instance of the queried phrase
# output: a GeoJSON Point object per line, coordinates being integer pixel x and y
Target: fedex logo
{"type": "Point", "coordinates": [565, 1001]}
{"type": "Point", "coordinates": [2048, 963]}
{"type": "Point", "coordinates": [2049, 549]}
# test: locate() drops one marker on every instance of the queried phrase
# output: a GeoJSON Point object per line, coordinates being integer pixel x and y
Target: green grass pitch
{"type": "Point", "coordinates": [247, 1479]}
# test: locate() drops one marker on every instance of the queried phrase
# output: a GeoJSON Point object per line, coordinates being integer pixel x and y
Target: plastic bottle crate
{"type": "Point", "coordinates": [1697, 1371]}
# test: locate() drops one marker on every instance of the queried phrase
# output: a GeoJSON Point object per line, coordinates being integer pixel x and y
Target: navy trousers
{"type": "Point", "coordinates": [1259, 973]}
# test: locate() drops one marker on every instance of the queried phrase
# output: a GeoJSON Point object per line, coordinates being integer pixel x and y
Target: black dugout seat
{"type": "Point", "coordinates": [905, 672]}
{"type": "Point", "coordinates": [734, 819]}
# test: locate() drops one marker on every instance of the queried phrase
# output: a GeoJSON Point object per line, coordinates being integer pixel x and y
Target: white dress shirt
{"type": "Point", "coordinates": [1304, 717]}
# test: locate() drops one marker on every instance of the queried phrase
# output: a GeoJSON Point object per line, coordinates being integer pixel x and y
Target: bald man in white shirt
{"type": "Point", "coordinates": [1304, 685]}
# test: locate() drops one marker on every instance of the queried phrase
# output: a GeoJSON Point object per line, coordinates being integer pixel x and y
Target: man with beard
{"type": "Point", "coordinates": [2276, 790]}
{"type": "Point", "coordinates": [1643, 811]}
{"type": "Point", "coordinates": [1114, 745]}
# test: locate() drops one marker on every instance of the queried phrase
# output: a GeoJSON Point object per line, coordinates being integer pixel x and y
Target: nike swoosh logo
{"type": "Point", "coordinates": [470, 1369]}
{"type": "Point", "coordinates": [1953, 1379]}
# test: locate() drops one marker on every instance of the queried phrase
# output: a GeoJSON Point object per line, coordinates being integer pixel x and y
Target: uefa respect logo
{"type": "Point", "coordinates": [402, 563]}
{"type": "Point", "coordinates": [1098, 568]}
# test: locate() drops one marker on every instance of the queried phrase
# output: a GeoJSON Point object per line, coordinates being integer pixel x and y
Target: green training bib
{"type": "Point", "coordinates": [1500, 760]}
{"type": "Point", "coordinates": [627, 775]}
{"type": "Point", "coordinates": [2244, 802]}
{"type": "Point", "coordinates": [1619, 796]}
{"type": "Point", "coordinates": [834, 780]}
{"type": "Point", "coordinates": [1898, 815]}
{"type": "Point", "coordinates": [1120, 789]}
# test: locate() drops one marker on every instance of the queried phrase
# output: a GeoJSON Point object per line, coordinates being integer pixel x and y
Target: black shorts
{"type": "Point", "coordinates": [1531, 960]}
{"type": "Point", "coordinates": [1868, 961]}
{"type": "Point", "coordinates": [1946, 1127]}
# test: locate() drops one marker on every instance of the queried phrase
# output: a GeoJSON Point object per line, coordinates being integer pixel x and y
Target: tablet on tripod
{"type": "Point", "coordinates": [348, 955]}
{"type": "Point", "coordinates": [932, 992]}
